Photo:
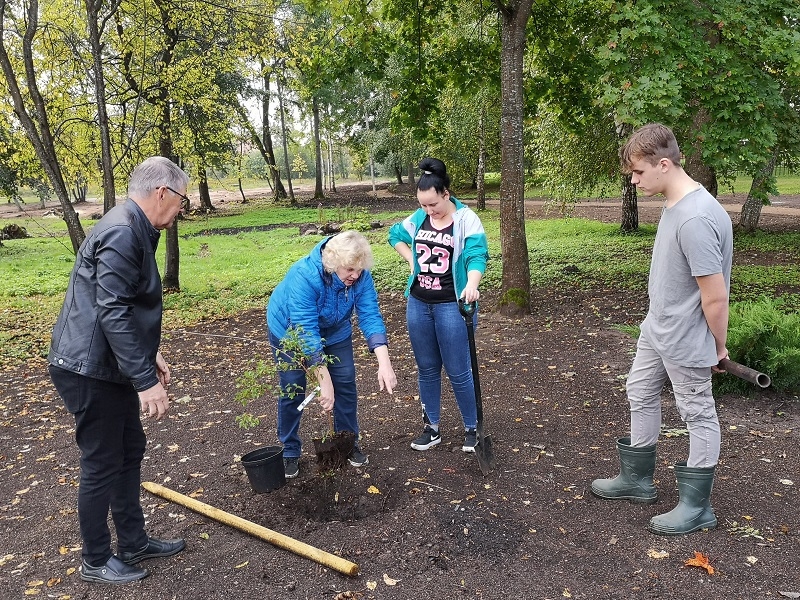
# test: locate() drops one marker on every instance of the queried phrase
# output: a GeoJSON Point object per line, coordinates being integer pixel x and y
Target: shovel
{"type": "Point", "coordinates": [484, 448]}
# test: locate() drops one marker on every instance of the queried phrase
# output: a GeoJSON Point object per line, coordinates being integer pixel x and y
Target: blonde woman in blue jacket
{"type": "Point", "coordinates": [445, 246]}
{"type": "Point", "coordinates": [319, 296]}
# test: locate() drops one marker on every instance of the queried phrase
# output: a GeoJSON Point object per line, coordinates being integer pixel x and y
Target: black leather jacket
{"type": "Point", "coordinates": [110, 325]}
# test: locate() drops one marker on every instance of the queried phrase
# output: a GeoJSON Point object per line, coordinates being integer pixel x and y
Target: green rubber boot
{"type": "Point", "coordinates": [694, 503]}
{"type": "Point", "coordinates": [635, 479]}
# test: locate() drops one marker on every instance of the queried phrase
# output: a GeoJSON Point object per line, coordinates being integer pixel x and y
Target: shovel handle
{"type": "Point", "coordinates": [467, 309]}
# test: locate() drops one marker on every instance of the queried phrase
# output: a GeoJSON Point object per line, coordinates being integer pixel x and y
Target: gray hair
{"type": "Point", "coordinates": [154, 172]}
{"type": "Point", "coordinates": [347, 249]}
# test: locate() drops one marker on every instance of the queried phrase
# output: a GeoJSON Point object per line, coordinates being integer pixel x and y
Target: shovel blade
{"type": "Point", "coordinates": [484, 452]}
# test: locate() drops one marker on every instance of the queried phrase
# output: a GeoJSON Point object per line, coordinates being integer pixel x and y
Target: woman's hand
{"type": "Point", "coordinates": [470, 294]}
{"type": "Point", "coordinates": [386, 378]}
{"type": "Point", "coordinates": [325, 388]}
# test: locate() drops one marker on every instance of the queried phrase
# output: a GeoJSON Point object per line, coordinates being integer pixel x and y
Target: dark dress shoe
{"type": "Point", "coordinates": [155, 548]}
{"type": "Point", "coordinates": [114, 571]}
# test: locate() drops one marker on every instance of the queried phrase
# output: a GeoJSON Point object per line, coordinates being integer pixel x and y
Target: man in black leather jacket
{"type": "Point", "coordinates": [105, 364]}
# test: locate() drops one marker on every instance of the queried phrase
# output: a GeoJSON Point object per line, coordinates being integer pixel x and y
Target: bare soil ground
{"type": "Point", "coordinates": [421, 524]}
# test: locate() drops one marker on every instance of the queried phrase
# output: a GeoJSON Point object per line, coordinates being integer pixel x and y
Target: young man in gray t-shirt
{"type": "Point", "coordinates": [682, 338]}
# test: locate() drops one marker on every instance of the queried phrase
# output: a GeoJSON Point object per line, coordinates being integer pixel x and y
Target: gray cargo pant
{"type": "Point", "coordinates": [692, 388]}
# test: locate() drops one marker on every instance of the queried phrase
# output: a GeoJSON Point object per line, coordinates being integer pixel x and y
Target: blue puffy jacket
{"type": "Point", "coordinates": [321, 306]}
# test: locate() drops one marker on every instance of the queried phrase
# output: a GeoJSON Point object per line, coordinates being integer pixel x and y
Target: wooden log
{"type": "Point", "coordinates": [276, 539]}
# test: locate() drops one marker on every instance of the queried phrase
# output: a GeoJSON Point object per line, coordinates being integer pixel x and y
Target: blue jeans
{"type": "Point", "coordinates": [692, 388]}
{"type": "Point", "coordinates": [293, 385]}
{"type": "Point", "coordinates": [438, 336]}
{"type": "Point", "coordinates": [109, 433]}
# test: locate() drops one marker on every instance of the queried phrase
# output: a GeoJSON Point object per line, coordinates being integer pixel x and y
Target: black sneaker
{"type": "Point", "coordinates": [290, 468]}
{"type": "Point", "coordinates": [470, 440]}
{"type": "Point", "coordinates": [357, 458]}
{"type": "Point", "coordinates": [428, 439]}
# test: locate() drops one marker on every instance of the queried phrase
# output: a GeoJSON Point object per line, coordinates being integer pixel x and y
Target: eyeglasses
{"type": "Point", "coordinates": [185, 202]}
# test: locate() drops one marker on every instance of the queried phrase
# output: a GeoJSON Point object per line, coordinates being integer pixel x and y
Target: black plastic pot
{"type": "Point", "coordinates": [264, 468]}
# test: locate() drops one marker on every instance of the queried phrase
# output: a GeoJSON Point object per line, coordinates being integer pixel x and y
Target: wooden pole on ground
{"type": "Point", "coordinates": [276, 539]}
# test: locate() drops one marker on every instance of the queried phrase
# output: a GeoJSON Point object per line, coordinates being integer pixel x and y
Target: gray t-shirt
{"type": "Point", "coordinates": [694, 238]}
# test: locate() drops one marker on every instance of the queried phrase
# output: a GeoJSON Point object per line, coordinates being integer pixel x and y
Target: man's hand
{"type": "Point", "coordinates": [154, 401]}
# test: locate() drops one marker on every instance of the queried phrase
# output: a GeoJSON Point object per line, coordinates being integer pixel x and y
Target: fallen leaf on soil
{"type": "Point", "coordinates": [752, 560]}
{"type": "Point", "coordinates": [657, 554]}
{"type": "Point", "coordinates": [700, 560]}
{"type": "Point", "coordinates": [373, 490]}
{"type": "Point", "coordinates": [371, 585]}
{"type": "Point", "coordinates": [566, 593]}
{"type": "Point", "coordinates": [787, 482]}
{"type": "Point", "coordinates": [614, 539]}
{"type": "Point", "coordinates": [244, 564]}
{"type": "Point", "coordinates": [71, 570]}
{"type": "Point", "coordinates": [53, 581]}
{"type": "Point", "coordinates": [790, 594]}
{"type": "Point", "coordinates": [388, 580]}
{"type": "Point", "coordinates": [204, 536]}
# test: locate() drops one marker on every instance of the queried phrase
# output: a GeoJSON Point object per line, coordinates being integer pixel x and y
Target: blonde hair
{"type": "Point", "coordinates": [347, 249]}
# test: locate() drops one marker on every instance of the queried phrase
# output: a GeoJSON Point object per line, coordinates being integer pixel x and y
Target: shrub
{"type": "Point", "coordinates": [764, 337]}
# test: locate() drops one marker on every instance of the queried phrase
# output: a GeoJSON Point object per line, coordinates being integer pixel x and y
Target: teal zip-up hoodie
{"type": "Point", "coordinates": [470, 248]}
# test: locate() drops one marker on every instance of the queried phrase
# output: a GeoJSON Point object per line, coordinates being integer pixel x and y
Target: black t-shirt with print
{"type": "Point", "coordinates": [434, 282]}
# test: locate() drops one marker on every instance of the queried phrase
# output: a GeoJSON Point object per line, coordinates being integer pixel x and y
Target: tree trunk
{"type": "Point", "coordinates": [516, 281]}
{"type": "Point", "coordinates": [202, 188]}
{"type": "Point", "coordinates": [292, 200]}
{"type": "Point", "coordinates": [758, 195]}
{"type": "Point", "coordinates": [331, 165]}
{"type": "Point", "coordinates": [266, 139]}
{"type": "Point", "coordinates": [318, 192]}
{"type": "Point", "coordinates": [158, 97]}
{"type": "Point", "coordinates": [41, 138]}
{"type": "Point", "coordinates": [398, 175]}
{"type": "Point", "coordinates": [630, 206]}
{"type": "Point", "coordinates": [695, 167]}
{"type": "Point", "coordinates": [411, 181]}
{"type": "Point", "coordinates": [172, 255]}
{"type": "Point", "coordinates": [480, 177]}
{"type": "Point", "coordinates": [106, 161]}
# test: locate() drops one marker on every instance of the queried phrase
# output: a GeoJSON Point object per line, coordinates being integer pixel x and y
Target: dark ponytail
{"type": "Point", "coordinates": [434, 175]}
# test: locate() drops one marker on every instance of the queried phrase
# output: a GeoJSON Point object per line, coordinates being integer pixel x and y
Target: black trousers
{"type": "Point", "coordinates": [109, 433]}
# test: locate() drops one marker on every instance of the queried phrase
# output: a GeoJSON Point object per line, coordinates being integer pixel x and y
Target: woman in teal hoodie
{"type": "Point", "coordinates": [445, 246]}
